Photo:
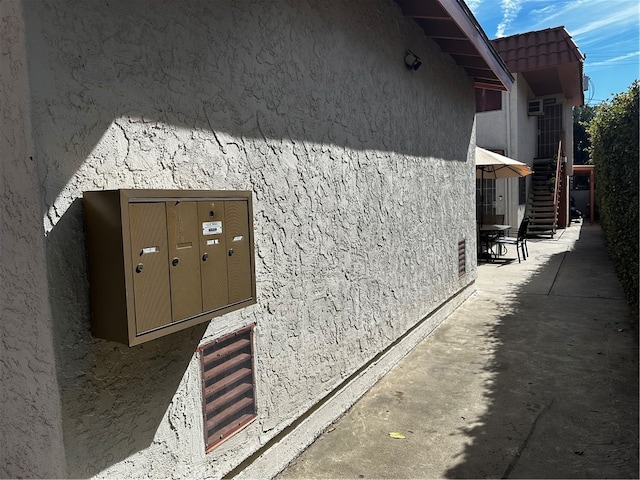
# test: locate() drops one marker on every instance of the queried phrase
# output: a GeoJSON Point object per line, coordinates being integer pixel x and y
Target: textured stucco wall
{"type": "Point", "coordinates": [525, 137]}
{"type": "Point", "coordinates": [30, 427]}
{"type": "Point", "coordinates": [491, 126]}
{"type": "Point", "coordinates": [524, 131]}
{"type": "Point", "coordinates": [492, 133]}
{"type": "Point", "coordinates": [518, 140]}
{"type": "Point", "coordinates": [567, 124]}
{"type": "Point", "coordinates": [362, 180]}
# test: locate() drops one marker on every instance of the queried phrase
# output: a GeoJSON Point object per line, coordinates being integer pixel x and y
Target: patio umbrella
{"type": "Point", "coordinates": [491, 165]}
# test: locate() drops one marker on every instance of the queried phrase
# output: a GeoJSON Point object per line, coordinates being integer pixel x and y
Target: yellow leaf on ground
{"type": "Point", "coordinates": [396, 435]}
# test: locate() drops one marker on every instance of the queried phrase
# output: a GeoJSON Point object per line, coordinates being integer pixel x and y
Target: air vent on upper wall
{"type": "Point", "coordinates": [535, 107]}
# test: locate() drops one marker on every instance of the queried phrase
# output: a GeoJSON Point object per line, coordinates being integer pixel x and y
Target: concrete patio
{"type": "Point", "coordinates": [534, 376]}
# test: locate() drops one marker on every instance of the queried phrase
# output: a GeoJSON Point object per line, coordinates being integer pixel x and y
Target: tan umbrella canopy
{"type": "Point", "coordinates": [490, 165]}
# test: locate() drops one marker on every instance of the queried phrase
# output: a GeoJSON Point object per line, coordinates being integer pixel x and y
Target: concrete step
{"type": "Point", "coordinates": [542, 160]}
{"type": "Point", "coordinates": [545, 206]}
{"type": "Point", "coordinates": [542, 193]}
{"type": "Point", "coordinates": [542, 207]}
{"type": "Point", "coordinates": [542, 221]}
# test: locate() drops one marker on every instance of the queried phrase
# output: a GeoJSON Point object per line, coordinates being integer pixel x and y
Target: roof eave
{"type": "Point", "coordinates": [456, 31]}
{"type": "Point", "coordinates": [464, 18]}
{"type": "Point", "coordinates": [549, 59]}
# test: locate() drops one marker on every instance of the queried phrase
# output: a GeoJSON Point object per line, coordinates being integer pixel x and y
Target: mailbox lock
{"type": "Point", "coordinates": [204, 257]}
{"type": "Point", "coordinates": [231, 252]}
{"type": "Point", "coordinates": [139, 268]}
{"type": "Point", "coordinates": [175, 261]}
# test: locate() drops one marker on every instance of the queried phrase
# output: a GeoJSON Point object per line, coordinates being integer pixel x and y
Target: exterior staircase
{"type": "Point", "coordinates": [542, 206]}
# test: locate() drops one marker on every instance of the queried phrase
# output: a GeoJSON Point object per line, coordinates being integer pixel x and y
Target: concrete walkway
{"type": "Point", "coordinates": [535, 376]}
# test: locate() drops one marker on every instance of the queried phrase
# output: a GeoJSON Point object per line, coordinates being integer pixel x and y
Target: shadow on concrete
{"type": "Point", "coordinates": [562, 393]}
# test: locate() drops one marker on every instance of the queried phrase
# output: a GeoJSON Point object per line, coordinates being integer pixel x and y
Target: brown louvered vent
{"type": "Point", "coordinates": [462, 258]}
{"type": "Point", "coordinates": [228, 393]}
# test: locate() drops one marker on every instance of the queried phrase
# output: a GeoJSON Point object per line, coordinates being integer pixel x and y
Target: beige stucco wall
{"type": "Point", "coordinates": [524, 142]}
{"type": "Point", "coordinates": [491, 128]}
{"type": "Point", "coordinates": [514, 131]}
{"type": "Point", "coordinates": [30, 424]}
{"type": "Point", "coordinates": [363, 181]}
{"type": "Point", "coordinates": [510, 129]}
{"type": "Point", "coordinates": [525, 129]}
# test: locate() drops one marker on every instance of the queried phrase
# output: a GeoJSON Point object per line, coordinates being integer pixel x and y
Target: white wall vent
{"type": "Point", "coordinates": [535, 107]}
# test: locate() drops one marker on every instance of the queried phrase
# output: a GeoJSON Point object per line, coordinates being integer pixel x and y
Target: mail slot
{"type": "Point", "coordinates": [184, 253]}
{"type": "Point", "coordinates": [149, 257]}
{"type": "Point", "coordinates": [213, 246]}
{"type": "Point", "coordinates": [164, 260]}
{"type": "Point", "coordinates": [237, 236]}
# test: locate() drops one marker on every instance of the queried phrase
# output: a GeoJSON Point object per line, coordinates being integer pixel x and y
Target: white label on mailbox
{"type": "Point", "coordinates": [149, 250]}
{"type": "Point", "coordinates": [211, 228]}
{"type": "Point", "coordinates": [215, 241]}
{"type": "Point", "coordinates": [238, 238]}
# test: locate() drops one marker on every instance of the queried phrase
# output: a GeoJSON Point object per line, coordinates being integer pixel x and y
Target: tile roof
{"type": "Point", "coordinates": [538, 50]}
{"type": "Point", "coordinates": [548, 59]}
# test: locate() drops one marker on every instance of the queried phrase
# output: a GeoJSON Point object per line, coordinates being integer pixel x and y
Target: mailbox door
{"type": "Point", "coordinates": [149, 257]}
{"type": "Point", "coordinates": [184, 259]}
{"type": "Point", "coordinates": [238, 251]}
{"type": "Point", "coordinates": [213, 255]}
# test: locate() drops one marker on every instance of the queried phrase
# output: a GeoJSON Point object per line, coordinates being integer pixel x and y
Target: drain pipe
{"type": "Point", "coordinates": [509, 182]}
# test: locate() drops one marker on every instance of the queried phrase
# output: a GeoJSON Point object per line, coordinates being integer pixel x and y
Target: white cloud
{"type": "Point", "coordinates": [612, 19]}
{"type": "Point", "coordinates": [546, 11]}
{"type": "Point", "coordinates": [614, 60]}
{"type": "Point", "coordinates": [583, 16]}
{"type": "Point", "coordinates": [474, 5]}
{"type": "Point", "coordinates": [510, 10]}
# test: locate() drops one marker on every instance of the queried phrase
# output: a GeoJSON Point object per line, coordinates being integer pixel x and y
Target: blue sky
{"type": "Point", "coordinates": [606, 31]}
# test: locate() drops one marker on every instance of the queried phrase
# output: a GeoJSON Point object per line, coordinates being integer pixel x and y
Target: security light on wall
{"type": "Point", "coordinates": [412, 61]}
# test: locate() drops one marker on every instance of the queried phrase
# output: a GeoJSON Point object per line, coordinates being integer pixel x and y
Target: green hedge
{"type": "Point", "coordinates": [614, 151]}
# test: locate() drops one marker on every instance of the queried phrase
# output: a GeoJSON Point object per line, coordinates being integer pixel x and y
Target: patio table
{"type": "Point", "coordinates": [488, 233]}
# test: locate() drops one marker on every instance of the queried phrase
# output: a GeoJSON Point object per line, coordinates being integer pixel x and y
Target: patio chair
{"type": "Point", "coordinates": [520, 241]}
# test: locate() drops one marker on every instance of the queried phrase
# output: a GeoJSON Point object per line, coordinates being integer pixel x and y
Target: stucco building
{"type": "Point", "coordinates": [362, 177]}
{"type": "Point", "coordinates": [528, 123]}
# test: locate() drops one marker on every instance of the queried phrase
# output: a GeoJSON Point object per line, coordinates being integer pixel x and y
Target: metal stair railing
{"type": "Point", "coordinates": [544, 212]}
{"type": "Point", "coordinates": [556, 190]}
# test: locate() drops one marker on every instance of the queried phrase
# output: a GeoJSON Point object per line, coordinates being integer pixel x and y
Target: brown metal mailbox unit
{"type": "Point", "coordinates": [164, 260]}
